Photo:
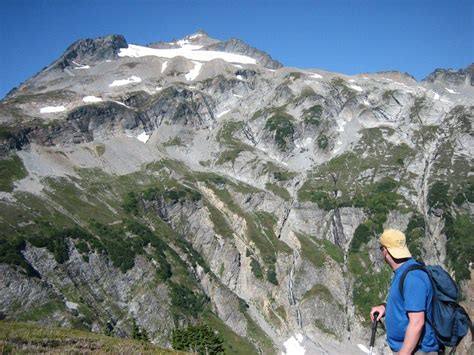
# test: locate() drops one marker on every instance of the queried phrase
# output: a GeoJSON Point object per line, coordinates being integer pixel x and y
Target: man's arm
{"type": "Point", "coordinates": [416, 322]}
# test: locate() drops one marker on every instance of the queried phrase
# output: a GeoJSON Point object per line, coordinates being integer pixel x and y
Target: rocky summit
{"type": "Point", "coordinates": [148, 191]}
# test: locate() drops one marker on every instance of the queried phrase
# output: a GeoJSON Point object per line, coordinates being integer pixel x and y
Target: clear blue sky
{"type": "Point", "coordinates": [346, 36]}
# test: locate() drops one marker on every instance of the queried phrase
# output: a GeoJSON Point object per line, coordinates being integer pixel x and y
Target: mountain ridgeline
{"type": "Point", "coordinates": [201, 187]}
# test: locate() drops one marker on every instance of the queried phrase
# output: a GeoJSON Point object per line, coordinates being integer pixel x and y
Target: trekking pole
{"type": "Point", "coordinates": [374, 330]}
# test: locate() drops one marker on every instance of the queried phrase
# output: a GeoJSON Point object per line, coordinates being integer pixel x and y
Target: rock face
{"type": "Point", "coordinates": [87, 51]}
{"type": "Point", "coordinates": [142, 189]}
{"type": "Point", "coordinates": [449, 76]}
{"type": "Point", "coordinates": [235, 45]}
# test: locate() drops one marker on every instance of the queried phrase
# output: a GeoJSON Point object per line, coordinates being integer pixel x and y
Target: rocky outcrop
{"type": "Point", "coordinates": [452, 77]}
{"type": "Point", "coordinates": [88, 51]}
{"type": "Point", "coordinates": [235, 45]}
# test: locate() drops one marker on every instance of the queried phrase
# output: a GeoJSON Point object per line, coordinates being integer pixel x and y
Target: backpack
{"type": "Point", "coordinates": [450, 321]}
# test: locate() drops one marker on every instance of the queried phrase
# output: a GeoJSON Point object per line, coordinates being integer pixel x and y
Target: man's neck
{"type": "Point", "coordinates": [395, 265]}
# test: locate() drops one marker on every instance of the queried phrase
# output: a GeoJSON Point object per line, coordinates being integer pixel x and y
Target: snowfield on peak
{"type": "Point", "coordinates": [187, 51]}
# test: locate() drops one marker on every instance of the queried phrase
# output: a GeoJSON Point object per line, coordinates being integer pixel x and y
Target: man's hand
{"type": "Point", "coordinates": [380, 309]}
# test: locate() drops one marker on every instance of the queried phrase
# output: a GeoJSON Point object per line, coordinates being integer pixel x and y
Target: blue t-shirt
{"type": "Point", "coordinates": [418, 295]}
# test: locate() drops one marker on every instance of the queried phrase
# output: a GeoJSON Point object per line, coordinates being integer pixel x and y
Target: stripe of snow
{"type": "Point", "coordinates": [163, 67]}
{"type": "Point", "coordinates": [316, 76]}
{"type": "Point", "coordinates": [83, 67]}
{"type": "Point", "coordinates": [52, 109]}
{"type": "Point", "coordinates": [356, 88]}
{"type": "Point", "coordinates": [143, 137]}
{"type": "Point", "coordinates": [193, 73]}
{"type": "Point", "coordinates": [222, 113]}
{"type": "Point", "coordinates": [187, 51]}
{"type": "Point", "coordinates": [451, 91]}
{"type": "Point", "coordinates": [121, 103]}
{"type": "Point", "coordinates": [91, 99]}
{"type": "Point", "coordinates": [132, 79]}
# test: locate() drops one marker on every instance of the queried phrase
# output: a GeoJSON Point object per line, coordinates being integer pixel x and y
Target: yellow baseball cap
{"type": "Point", "coordinates": [395, 242]}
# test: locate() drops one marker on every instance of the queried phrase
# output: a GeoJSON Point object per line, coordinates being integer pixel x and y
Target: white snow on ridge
{"type": "Point", "coordinates": [193, 73]}
{"type": "Point", "coordinates": [188, 51]}
{"type": "Point", "coordinates": [52, 109]}
{"type": "Point", "coordinates": [143, 137]}
{"type": "Point", "coordinates": [316, 76]}
{"type": "Point", "coordinates": [293, 346]}
{"type": "Point", "coordinates": [132, 79]}
{"type": "Point", "coordinates": [451, 91]}
{"type": "Point", "coordinates": [91, 99]}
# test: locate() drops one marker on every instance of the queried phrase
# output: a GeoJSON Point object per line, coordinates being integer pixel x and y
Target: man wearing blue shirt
{"type": "Point", "coordinates": [408, 316]}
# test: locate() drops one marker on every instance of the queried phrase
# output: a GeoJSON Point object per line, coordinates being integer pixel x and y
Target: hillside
{"type": "Point", "coordinates": [201, 181]}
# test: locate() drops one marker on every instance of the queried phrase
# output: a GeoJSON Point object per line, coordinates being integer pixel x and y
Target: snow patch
{"type": "Point", "coordinates": [352, 81]}
{"type": "Point", "coordinates": [80, 66]}
{"type": "Point", "coordinates": [436, 96]}
{"type": "Point", "coordinates": [316, 76]}
{"type": "Point", "coordinates": [293, 346]}
{"type": "Point", "coordinates": [91, 99]}
{"type": "Point", "coordinates": [356, 88]}
{"type": "Point", "coordinates": [363, 348]}
{"type": "Point", "coordinates": [193, 73]}
{"type": "Point", "coordinates": [163, 67]}
{"type": "Point", "coordinates": [239, 77]}
{"type": "Point", "coordinates": [367, 103]}
{"type": "Point", "coordinates": [143, 137]}
{"type": "Point", "coordinates": [71, 305]}
{"type": "Point", "coordinates": [195, 36]}
{"type": "Point", "coordinates": [131, 80]}
{"type": "Point", "coordinates": [222, 113]}
{"type": "Point", "coordinates": [239, 96]}
{"type": "Point", "coordinates": [121, 103]}
{"type": "Point", "coordinates": [187, 51]}
{"type": "Point", "coordinates": [451, 91]}
{"type": "Point", "coordinates": [158, 88]}
{"type": "Point", "coordinates": [52, 109]}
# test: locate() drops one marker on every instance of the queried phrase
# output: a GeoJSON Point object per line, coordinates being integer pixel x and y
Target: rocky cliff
{"type": "Point", "coordinates": [198, 181]}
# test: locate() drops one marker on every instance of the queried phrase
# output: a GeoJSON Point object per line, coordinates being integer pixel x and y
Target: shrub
{"type": "Point", "coordinates": [414, 234]}
{"type": "Point", "coordinates": [201, 339]}
{"type": "Point", "coordinates": [282, 125]}
{"type": "Point", "coordinates": [323, 141]}
{"type": "Point", "coordinates": [362, 235]}
{"type": "Point", "coordinates": [256, 269]}
{"type": "Point", "coordinates": [438, 196]}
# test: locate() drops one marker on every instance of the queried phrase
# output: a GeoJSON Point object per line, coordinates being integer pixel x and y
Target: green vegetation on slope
{"type": "Point", "coordinates": [11, 169]}
{"type": "Point", "coordinates": [18, 337]}
{"type": "Point", "coordinates": [281, 124]}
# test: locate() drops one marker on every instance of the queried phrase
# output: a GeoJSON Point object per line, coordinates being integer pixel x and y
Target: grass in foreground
{"type": "Point", "coordinates": [16, 337]}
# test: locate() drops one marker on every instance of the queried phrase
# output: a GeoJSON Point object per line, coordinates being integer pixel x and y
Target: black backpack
{"type": "Point", "coordinates": [450, 321]}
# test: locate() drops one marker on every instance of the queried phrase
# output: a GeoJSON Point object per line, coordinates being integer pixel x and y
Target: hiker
{"type": "Point", "coordinates": [408, 329]}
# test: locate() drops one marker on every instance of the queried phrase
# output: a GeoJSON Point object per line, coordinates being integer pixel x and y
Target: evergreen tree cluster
{"type": "Point", "coordinates": [200, 338]}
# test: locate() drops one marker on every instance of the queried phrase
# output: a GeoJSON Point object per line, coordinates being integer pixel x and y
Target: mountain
{"type": "Point", "coordinates": [198, 182]}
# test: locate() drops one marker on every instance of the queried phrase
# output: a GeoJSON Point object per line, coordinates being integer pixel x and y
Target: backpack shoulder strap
{"type": "Point", "coordinates": [420, 266]}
